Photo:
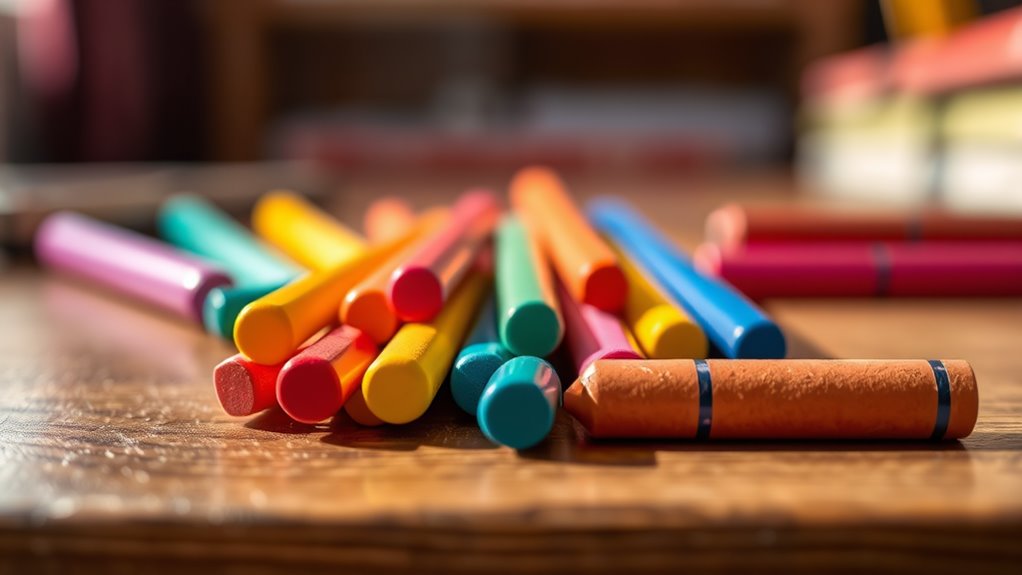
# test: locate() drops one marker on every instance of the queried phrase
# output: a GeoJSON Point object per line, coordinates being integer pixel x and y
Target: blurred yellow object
{"type": "Point", "coordinates": [304, 232]}
{"type": "Point", "coordinates": [915, 18]}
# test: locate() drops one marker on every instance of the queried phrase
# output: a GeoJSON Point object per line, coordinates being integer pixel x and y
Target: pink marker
{"type": "Point", "coordinates": [244, 387]}
{"type": "Point", "coordinates": [592, 333]}
{"type": "Point", "coordinates": [315, 383]}
{"type": "Point", "coordinates": [127, 262]}
{"type": "Point", "coordinates": [420, 286]}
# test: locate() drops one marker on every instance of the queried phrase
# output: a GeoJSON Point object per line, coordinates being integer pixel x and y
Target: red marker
{"type": "Point", "coordinates": [244, 387]}
{"type": "Point", "coordinates": [313, 385]}
{"type": "Point", "coordinates": [420, 286]}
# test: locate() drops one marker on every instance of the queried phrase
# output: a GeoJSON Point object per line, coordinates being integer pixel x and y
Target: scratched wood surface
{"type": "Point", "coordinates": [115, 457]}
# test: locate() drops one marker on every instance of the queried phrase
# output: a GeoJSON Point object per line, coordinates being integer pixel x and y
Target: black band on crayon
{"type": "Point", "coordinates": [705, 399]}
{"type": "Point", "coordinates": [943, 398]}
{"type": "Point", "coordinates": [882, 259]}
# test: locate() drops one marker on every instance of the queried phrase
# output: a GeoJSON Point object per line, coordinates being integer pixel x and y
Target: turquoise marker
{"type": "Point", "coordinates": [482, 355]}
{"type": "Point", "coordinates": [518, 406]}
{"type": "Point", "coordinates": [223, 304]}
{"type": "Point", "coordinates": [193, 224]}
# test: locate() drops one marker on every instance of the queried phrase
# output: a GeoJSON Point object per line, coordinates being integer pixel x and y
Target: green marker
{"type": "Point", "coordinates": [193, 224]}
{"type": "Point", "coordinates": [528, 318]}
{"type": "Point", "coordinates": [518, 406]}
{"type": "Point", "coordinates": [482, 355]}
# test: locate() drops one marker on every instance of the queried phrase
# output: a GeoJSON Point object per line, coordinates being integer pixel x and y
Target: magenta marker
{"type": "Point", "coordinates": [592, 333]}
{"type": "Point", "coordinates": [127, 262]}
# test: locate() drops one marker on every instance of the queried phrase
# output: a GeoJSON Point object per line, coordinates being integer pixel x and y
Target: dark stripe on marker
{"type": "Point", "coordinates": [943, 398]}
{"type": "Point", "coordinates": [705, 399]}
{"type": "Point", "coordinates": [882, 259]}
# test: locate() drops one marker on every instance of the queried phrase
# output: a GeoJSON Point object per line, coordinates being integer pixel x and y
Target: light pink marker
{"type": "Point", "coordinates": [419, 287]}
{"type": "Point", "coordinates": [592, 333]}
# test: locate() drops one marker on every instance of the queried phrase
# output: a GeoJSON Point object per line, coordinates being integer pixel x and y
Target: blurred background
{"type": "Point", "coordinates": [897, 101]}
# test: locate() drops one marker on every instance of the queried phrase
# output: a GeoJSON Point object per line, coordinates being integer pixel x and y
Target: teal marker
{"type": "Point", "coordinates": [517, 408]}
{"type": "Point", "coordinates": [482, 355]}
{"type": "Point", "coordinates": [193, 224]}
{"type": "Point", "coordinates": [529, 321]}
{"type": "Point", "coordinates": [223, 304]}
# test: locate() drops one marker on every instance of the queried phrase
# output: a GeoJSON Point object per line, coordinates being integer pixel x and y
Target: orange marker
{"type": "Point", "coordinates": [314, 384]}
{"type": "Point", "coordinates": [586, 265]}
{"type": "Point", "coordinates": [367, 305]}
{"type": "Point", "coordinates": [419, 287]}
{"type": "Point", "coordinates": [270, 329]}
{"type": "Point", "coordinates": [387, 218]}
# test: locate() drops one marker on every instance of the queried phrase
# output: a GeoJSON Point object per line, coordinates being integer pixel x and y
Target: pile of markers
{"type": "Point", "coordinates": [480, 297]}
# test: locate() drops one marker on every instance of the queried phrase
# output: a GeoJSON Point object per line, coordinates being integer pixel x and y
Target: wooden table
{"type": "Point", "coordinates": [114, 455]}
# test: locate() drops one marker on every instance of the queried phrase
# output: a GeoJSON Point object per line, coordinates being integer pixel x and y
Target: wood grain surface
{"type": "Point", "coordinates": [115, 458]}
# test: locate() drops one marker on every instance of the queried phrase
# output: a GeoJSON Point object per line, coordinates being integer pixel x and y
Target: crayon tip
{"type": "Point", "coordinates": [579, 402]}
{"type": "Point", "coordinates": [760, 341]}
{"type": "Point", "coordinates": [397, 391]}
{"type": "Point", "coordinates": [532, 329]}
{"type": "Point", "coordinates": [416, 293]}
{"type": "Point", "coordinates": [516, 414]}
{"type": "Point", "coordinates": [473, 369]}
{"type": "Point", "coordinates": [672, 339]}
{"type": "Point", "coordinates": [213, 314]}
{"type": "Point", "coordinates": [358, 411]}
{"type": "Point", "coordinates": [372, 313]}
{"type": "Point", "coordinates": [234, 389]}
{"type": "Point", "coordinates": [263, 334]}
{"type": "Point", "coordinates": [308, 390]}
{"type": "Point", "coordinates": [606, 288]}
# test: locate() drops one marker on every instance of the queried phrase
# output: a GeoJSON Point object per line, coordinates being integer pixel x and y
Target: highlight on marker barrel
{"type": "Point", "coordinates": [733, 324]}
{"type": "Point", "coordinates": [307, 234]}
{"type": "Point", "coordinates": [400, 385]}
{"type": "Point", "coordinates": [244, 387]}
{"type": "Point", "coordinates": [661, 329]}
{"type": "Point", "coordinates": [387, 218]}
{"type": "Point", "coordinates": [128, 263]}
{"type": "Point", "coordinates": [582, 259]}
{"type": "Point", "coordinates": [196, 225]}
{"type": "Point", "coordinates": [478, 360]}
{"type": "Point", "coordinates": [519, 403]}
{"type": "Point", "coordinates": [314, 384]}
{"type": "Point", "coordinates": [919, 269]}
{"type": "Point", "coordinates": [592, 333]}
{"type": "Point", "coordinates": [529, 317]}
{"type": "Point", "coordinates": [776, 399]}
{"type": "Point", "coordinates": [420, 286]}
{"type": "Point", "coordinates": [367, 305]}
{"type": "Point", "coordinates": [270, 329]}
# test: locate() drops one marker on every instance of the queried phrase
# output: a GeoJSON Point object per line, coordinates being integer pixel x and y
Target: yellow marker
{"type": "Point", "coordinates": [662, 329]}
{"type": "Point", "coordinates": [270, 329]}
{"type": "Point", "coordinates": [401, 383]}
{"type": "Point", "coordinates": [307, 234]}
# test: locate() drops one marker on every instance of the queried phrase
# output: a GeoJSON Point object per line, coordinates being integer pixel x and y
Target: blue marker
{"type": "Point", "coordinates": [520, 402]}
{"type": "Point", "coordinates": [193, 224]}
{"type": "Point", "coordinates": [482, 355]}
{"type": "Point", "coordinates": [738, 328]}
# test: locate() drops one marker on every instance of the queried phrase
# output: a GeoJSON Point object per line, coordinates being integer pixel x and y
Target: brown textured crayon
{"type": "Point", "coordinates": [776, 399]}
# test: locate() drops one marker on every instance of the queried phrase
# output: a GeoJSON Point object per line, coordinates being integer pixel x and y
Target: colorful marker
{"type": "Point", "coordinates": [270, 329]}
{"type": "Point", "coordinates": [358, 411]}
{"type": "Point", "coordinates": [128, 262]}
{"type": "Point", "coordinates": [223, 305]}
{"type": "Point", "coordinates": [916, 269]}
{"type": "Point", "coordinates": [662, 330]}
{"type": "Point", "coordinates": [529, 320]}
{"type": "Point", "coordinates": [482, 355]}
{"type": "Point", "coordinates": [419, 287]}
{"type": "Point", "coordinates": [387, 218]}
{"type": "Point", "coordinates": [244, 387]}
{"type": "Point", "coordinates": [776, 399]}
{"type": "Point", "coordinates": [315, 383]}
{"type": "Point", "coordinates": [194, 224]}
{"type": "Point", "coordinates": [517, 408]}
{"type": "Point", "coordinates": [307, 234]}
{"type": "Point", "coordinates": [735, 325]}
{"type": "Point", "coordinates": [592, 333]}
{"type": "Point", "coordinates": [400, 385]}
{"type": "Point", "coordinates": [583, 261]}
{"type": "Point", "coordinates": [367, 305]}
